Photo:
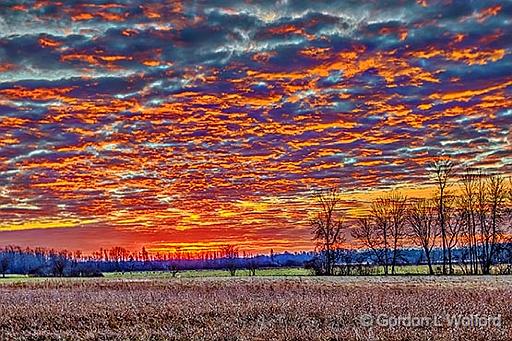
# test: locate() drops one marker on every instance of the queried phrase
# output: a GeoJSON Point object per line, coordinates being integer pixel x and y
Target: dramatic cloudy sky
{"type": "Point", "coordinates": [167, 123]}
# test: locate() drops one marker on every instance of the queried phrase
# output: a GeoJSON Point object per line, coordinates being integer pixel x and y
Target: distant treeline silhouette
{"type": "Point", "coordinates": [48, 262]}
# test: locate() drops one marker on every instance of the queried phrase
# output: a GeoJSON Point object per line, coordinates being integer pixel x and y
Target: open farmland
{"type": "Point", "coordinates": [261, 308]}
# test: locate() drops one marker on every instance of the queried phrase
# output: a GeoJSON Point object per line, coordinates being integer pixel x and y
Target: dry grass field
{"type": "Point", "coordinates": [264, 308]}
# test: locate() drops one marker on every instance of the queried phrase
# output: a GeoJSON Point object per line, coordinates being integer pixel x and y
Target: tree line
{"type": "Point", "coordinates": [59, 263]}
{"type": "Point", "coordinates": [469, 212]}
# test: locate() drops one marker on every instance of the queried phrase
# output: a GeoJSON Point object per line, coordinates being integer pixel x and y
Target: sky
{"type": "Point", "coordinates": [193, 124]}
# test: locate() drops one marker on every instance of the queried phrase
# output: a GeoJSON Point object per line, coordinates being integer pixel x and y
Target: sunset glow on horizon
{"type": "Point", "coordinates": [188, 125]}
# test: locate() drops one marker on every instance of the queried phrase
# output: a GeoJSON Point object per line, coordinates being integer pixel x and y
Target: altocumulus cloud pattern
{"type": "Point", "coordinates": [183, 123]}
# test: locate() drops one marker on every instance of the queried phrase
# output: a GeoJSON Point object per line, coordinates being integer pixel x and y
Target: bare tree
{"type": "Point", "coordinates": [381, 220]}
{"type": "Point", "coordinates": [483, 201]}
{"type": "Point", "coordinates": [424, 227]}
{"type": "Point", "coordinates": [4, 264]}
{"type": "Point", "coordinates": [174, 267]}
{"type": "Point", "coordinates": [442, 171]}
{"type": "Point", "coordinates": [59, 261]}
{"type": "Point", "coordinates": [492, 225]}
{"type": "Point", "coordinates": [119, 255]}
{"type": "Point", "coordinates": [468, 203]}
{"type": "Point", "coordinates": [368, 235]}
{"type": "Point", "coordinates": [397, 213]}
{"type": "Point", "coordinates": [252, 265]}
{"type": "Point", "coordinates": [388, 217]}
{"type": "Point", "coordinates": [454, 221]}
{"type": "Point", "coordinates": [230, 254]}
{"type": "Point", "coordinates": [327, 227]}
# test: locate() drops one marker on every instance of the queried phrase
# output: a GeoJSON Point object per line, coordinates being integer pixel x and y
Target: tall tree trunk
{"type": "Point", "coordinates": [386, 262]}
{"type": "Point", "coordinates": [450, 267]}
{"type": "Point", "coordinates": [429, 262]}
{"type": "Point", "coordinates": [443, 226]}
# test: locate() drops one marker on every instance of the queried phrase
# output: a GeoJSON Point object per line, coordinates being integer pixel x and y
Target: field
{"type": "Point", "coordinates": [258, 308]}
{"type": "Point", "coordinates": [211, 273]}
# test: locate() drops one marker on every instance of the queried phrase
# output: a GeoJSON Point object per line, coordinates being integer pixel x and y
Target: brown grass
{"type": "Point", "coordinates": [248, 309]}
